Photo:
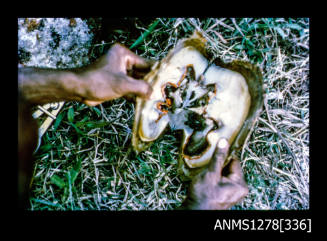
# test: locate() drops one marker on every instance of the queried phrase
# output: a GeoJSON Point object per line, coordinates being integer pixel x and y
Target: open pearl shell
{"type": "Point", "coordinates": [205, 101]}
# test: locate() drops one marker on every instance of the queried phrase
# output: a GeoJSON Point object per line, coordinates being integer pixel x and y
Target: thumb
{"type": "Point", "coordinates": [235, 171]}
{"type": "Point", "coordinates": [219, 157]}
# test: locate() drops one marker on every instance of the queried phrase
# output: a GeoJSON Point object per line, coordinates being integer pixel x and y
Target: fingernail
{"type": "Point", "coordinates": [222, 143]}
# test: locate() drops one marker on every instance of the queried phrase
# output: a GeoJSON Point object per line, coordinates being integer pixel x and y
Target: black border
{"type": "Point", "coordinates": [139, 223]}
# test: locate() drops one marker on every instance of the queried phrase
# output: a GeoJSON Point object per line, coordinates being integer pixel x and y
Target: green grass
{"type": "Point", "coordinates": [85, 161]}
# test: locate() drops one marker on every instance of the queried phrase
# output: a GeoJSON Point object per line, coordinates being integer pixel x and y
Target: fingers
{"type": "Point", "coordinates": [131, 59]}
{"type": "Point", "coordinates": [220, 154]}
{"type": "Point", "coordinates": [92, 103]}
{"type": "Point", "coordinates": [223, 145]}
{"type": "Point", "coordinates": [137, 62]}
{"type": "Point", "coordinates": [129, 86]}
{"type": "Point", "coordinates": [221, 150]}
{"type": "Point", "coordinates": [138, 87]}
{"type": "Point", "coordinates": [235, 173]}
{"type": "Point", "coordinates": [218, 159]}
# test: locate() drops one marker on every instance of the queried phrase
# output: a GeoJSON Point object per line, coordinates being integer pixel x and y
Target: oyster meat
{"type": "Point", "coordinates": [192, 94]}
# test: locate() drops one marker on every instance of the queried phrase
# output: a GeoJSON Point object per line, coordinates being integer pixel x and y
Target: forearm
{"type": "Point", "coordinates": [110, 77]}
{"type": "Point", "coordinates": [40, 86]}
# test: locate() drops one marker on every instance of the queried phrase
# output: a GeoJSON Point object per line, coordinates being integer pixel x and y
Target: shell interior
{"type": "Point", "coordinates": [205, 101]}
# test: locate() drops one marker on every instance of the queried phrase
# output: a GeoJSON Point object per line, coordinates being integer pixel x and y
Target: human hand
{"type": "Point", "coordinates": [117, 73]}
{"type": "Point", "coordinates": [217, 187]}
